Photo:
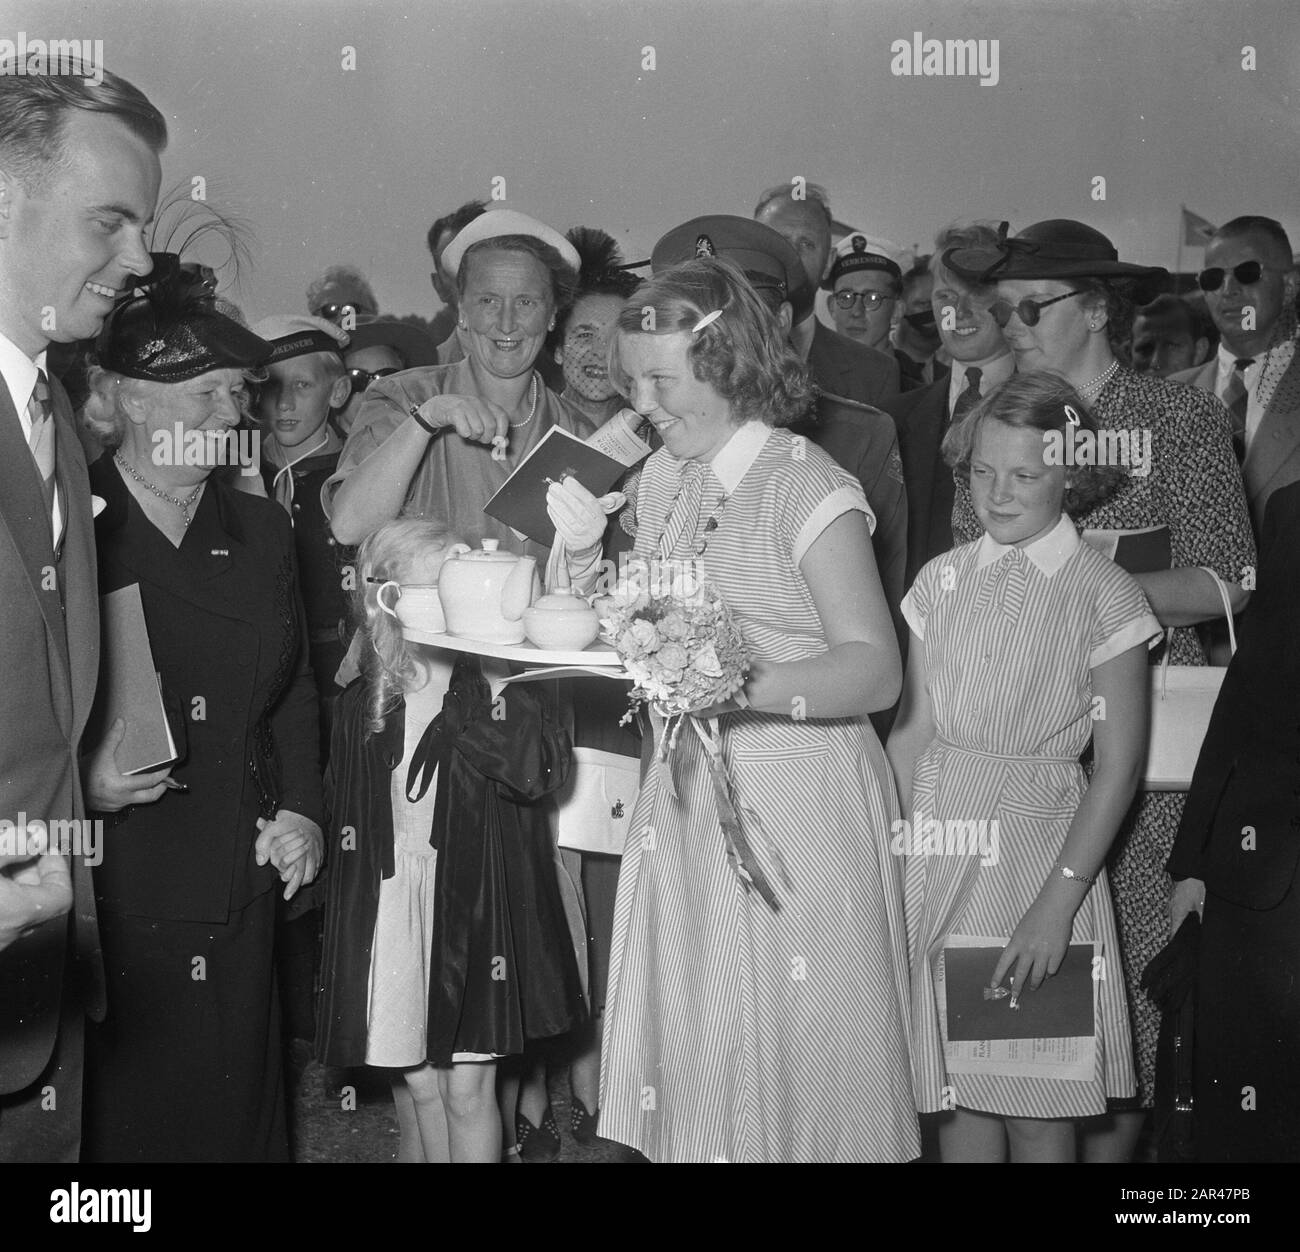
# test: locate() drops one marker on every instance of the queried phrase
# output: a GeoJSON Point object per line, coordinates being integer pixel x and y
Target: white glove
{"type": "Point", "coordinates": [576, 514]}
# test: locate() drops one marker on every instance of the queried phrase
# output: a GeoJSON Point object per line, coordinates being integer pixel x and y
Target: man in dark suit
{"type": "Point", "coordinates": [79, 176]}
{"type": "Point", "coordinates": [1250, 285]}
{"type": "Point", "coordinates": [980, 360]}
{"type": "Point", "coordinates": [1236, 855]}
{"type": "Point", "coordinates": [916, 338]}
{"type": "Point", "coordinates": [802, 215]}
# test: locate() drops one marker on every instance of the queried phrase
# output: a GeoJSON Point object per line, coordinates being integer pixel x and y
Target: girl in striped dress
{"type": "Point", "coordinates": [1025, 644]}
{"type": "Point", "coordinates": [735, 1031]}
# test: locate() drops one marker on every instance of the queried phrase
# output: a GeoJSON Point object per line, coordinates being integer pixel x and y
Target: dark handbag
{"type": "Point", "coordinates": [1170, 980]}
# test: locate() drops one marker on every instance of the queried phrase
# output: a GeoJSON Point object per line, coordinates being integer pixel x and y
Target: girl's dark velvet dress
{"type": "Point", "coordinates": [503, 969]}
{"type": "Point", "coordinates": [187, 1066]}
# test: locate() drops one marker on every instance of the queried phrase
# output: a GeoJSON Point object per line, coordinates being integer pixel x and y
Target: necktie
{"type": "Point", "coordinates": [678, 537]}
{"type": "Point", "coordinates": [944, 493]}
{"type": "Point", "coordinates": [1237, 399]}
{"type": "Point", "coordinates": [969, 397]}
{"type": "Point", "coordinates": [41, 441]}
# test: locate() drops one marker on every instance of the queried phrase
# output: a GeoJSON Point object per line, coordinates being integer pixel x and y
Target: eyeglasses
{"type": "Point", "coordinates": [1028, 311]}
{"type": "Point", "coordinates": [871, 300]}
{"type": "Point", "coordinates": [361, 379]}
{"type": "Point", "coordinates": [1247, 274]}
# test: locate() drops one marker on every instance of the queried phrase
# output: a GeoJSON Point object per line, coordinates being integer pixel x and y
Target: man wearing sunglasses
{"type": "Point", "coordinates": [1250, 285]}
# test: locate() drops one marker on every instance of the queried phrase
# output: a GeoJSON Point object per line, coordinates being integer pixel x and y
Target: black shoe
{"type": "Point", "coordinates": [584, 1124]}
{"type": "Point", "coordinates": [538, 1144]}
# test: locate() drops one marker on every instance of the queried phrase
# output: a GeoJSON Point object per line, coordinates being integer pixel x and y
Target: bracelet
{"type": "Point", "coordinates": [1067, 872]}
{"type": "Point", "coordinates": [414, 411]}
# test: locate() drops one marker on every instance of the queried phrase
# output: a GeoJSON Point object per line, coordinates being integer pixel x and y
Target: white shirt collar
{"type": "Point", "coordinates": [732, 461]}
{"type": "Point", "coordinates": [1228, 360]}
{"type": "Point", "coordinates": [19, 371]}
{"type": "Point", "coordinates": [1048, 553]}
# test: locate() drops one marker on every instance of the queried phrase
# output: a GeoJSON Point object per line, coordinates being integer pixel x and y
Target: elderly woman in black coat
{"type": "Point", "coordinates": [187, 1065]}
{"type": "Point", "coordinates": [1236, 855]}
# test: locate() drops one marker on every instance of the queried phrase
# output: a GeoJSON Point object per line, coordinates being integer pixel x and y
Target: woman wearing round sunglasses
{"type": "Point", "coordinates": [1063, 298]}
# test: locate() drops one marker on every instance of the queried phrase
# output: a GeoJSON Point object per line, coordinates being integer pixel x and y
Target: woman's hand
{"type": "Point", "coordinates": [1188, 894]}
{"type": "Point", "coordinates": [294, 845]}
{"type": "Point", "coordinates": [108, 790]}
{"type": "Point", "coordinates": [475, 419]}
{"type": "Point", "coordinates": [1037, 948]}
{"type": "Point", "coordinates": [576, 515]}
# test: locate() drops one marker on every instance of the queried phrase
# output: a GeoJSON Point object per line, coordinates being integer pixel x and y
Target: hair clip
{"type": "Point", "coordinates": [370, 578]}
{"type": "Point", "coordinates": [707, 320]}
{"type": "Point", "coordinates": [1072, 415]}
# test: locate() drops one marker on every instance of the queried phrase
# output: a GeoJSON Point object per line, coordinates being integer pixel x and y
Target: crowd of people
{"type": "Point", "coordinates": [378, 851]}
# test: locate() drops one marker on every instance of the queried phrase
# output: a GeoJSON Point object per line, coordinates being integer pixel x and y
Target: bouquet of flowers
{"type": "Point", "coordinates": [675, 636]}
{"type": "Point", "coordinates": [684, 653]}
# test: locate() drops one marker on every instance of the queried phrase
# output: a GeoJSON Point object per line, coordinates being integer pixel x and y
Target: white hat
{"type": "Point", "coordinates": [497, 222]}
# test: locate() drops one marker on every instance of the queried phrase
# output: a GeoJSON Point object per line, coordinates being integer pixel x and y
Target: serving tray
{"type": "Point", "coordinates": [597, 655]}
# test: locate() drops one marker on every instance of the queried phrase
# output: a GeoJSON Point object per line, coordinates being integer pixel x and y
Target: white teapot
{"type": "Point", "coordinates": [484, 592]}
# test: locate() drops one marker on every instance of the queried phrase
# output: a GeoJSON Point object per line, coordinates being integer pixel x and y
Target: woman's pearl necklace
{"type": "Point", "coordinates": [184, 505]}
{"type": "Point", "coordinates": [1090, 390]}
{"type": "Point", "coordinates": [532, 408]}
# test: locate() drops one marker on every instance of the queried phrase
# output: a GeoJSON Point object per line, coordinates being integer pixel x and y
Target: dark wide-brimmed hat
{"type": "Point", "coordinates": [766, 256]}
{"type": "Point", "coordinates": [409, 342]}
{"type": "Point", "coordinates": [1059, 248]}
{"type": "Point", "coordinates": [172, 330]}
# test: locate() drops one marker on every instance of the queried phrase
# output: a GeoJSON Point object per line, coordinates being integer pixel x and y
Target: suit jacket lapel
{"type": "Point", "coordinates": [80, 589]}
{"type": "Point", "coordinates": [1276, 441]}
{"type": "Point", "coordinates": [22, 510]}
{"type": "Point", "coordinates": [824, 363]}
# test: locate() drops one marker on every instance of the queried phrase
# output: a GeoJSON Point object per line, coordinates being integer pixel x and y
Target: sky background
{"type": "Point", "coordinates": [328, 165]}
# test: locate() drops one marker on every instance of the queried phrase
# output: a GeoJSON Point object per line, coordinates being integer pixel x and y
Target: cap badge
{"type": "Point", "coordinates": [859, 243]}
{"type": "Point", "coordinates": [704, 247]}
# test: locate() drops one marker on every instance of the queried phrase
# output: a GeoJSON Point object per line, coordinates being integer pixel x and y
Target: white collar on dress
{"type": "Point", "coordinates": [732, 461]}
{"type": "Point", "coordinates": [1048, 553]}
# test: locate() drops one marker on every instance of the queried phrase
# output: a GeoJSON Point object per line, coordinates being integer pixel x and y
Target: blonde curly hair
{"type": "Point", "coordinates": [388, 663]}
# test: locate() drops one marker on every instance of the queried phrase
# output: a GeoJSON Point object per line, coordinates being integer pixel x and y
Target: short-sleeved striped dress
{"type": "Point", "coordinates": [733, 1032]}
{"type": "Point", "coordinates": [1194, 488]}
{"type": "Point", "coordinates": [1009, 638]}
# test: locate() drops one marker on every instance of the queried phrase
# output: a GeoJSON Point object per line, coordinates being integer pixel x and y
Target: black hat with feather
{"type": "Point", "coordinates": [172, 326]}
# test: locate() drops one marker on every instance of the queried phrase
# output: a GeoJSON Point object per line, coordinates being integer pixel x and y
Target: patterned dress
{"type": "Point", "coordinates": [733, 1032]}
{"type": "Point", "coordinates": [1009, 638]}
{"type": "Point", "coordinates": [1194, 488]}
